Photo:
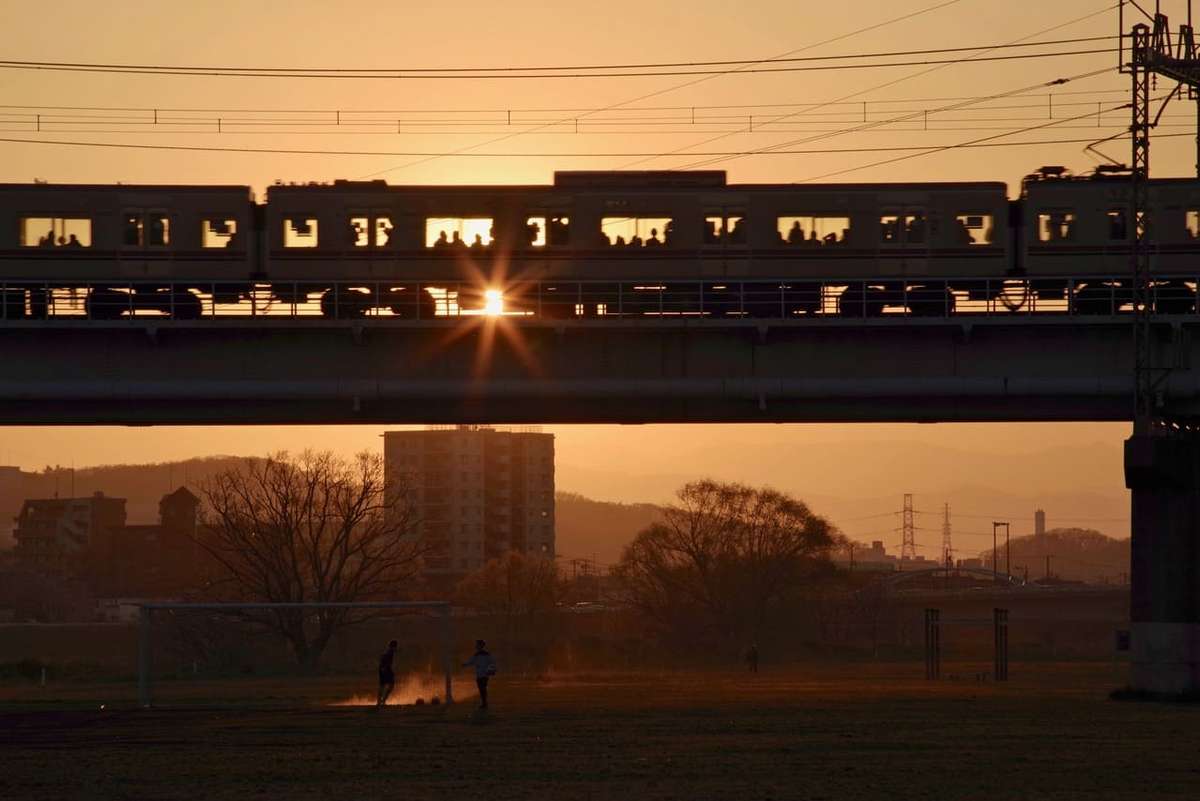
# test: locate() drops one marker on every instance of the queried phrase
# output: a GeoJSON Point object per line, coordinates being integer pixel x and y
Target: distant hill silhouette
{"type": "Point", "coordinates": [1076, 554]}
{"type": "Point", "coordinates": [587, 529]}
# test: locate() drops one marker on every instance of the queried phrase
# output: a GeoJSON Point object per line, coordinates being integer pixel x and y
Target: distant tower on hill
{"type": "Point", "coordinates": [1039, 523]}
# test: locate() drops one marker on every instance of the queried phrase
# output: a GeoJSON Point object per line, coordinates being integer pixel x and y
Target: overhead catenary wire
{"type": "Point", "coordinates": [891, 83]}
{"type": "Point", "coordinates": [568, 71]}
{"type": "Point", "coordinates": [688, 83]}
{"type": "Point", "coordinates": [580, 154]}
{"type": "Point", "coordinates": [542, 109]}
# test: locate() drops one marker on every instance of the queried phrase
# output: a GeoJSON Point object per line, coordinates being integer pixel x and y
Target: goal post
{"type": "Point", "coordinates": [146, 637]}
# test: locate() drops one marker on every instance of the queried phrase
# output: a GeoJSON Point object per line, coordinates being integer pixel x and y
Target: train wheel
{"type": "Point", "coordinates": [186, 306]}
{"type": "Point", "coordinates": [1174, 297]}
{"type": "Point", "coordinates": [105, 304]}
{"type": "Point", "coordinates": [39, 304]}
{"type": "Point", "coordinates": [722, 301]}
{"type": "Point", "coordinates": [343, 304]}
{"type": "Point", "coordinates": [801, 299]}
{"type": "Point", "coordinates": [853, 302]}
{"type": "Point", "coordinates": [930, 302]}
{"type": "Point", "coordinates": [412, 303]}
{"type": "Point", "coordinates": [1094, 300]}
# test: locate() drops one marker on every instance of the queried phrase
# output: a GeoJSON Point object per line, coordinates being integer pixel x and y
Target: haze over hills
{"type": "Point", "coordinates": [855, 476]}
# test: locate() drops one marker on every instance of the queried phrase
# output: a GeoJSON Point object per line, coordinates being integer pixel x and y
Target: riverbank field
{"type": "Point", "coordinates": [848, 732]}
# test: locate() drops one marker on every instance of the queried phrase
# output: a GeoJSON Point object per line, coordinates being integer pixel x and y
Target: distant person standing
{"type": "Point", "coordinates": [387, 678]}
{"type": "Point", "coordinates": [752, 657]}
{"type": "Point", "coordinates": [485, 668]}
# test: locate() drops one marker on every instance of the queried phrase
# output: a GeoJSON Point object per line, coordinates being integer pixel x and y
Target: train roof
{"type": "Point", "coordinates": [49, 187]}
{"type": "Point", "coordinates": [640, 180]}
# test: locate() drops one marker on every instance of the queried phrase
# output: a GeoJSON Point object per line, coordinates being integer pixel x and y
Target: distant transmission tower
{"type": "Point", "coordinates": [908, 548]}
{"type": "Point", "coordinates": [947, 549]}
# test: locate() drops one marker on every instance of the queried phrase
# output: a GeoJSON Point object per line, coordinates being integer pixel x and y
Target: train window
{"type": "Point", "coordinates": [636, 231]}
{"type": "Point", "coordinates": [973, 229]}
{"type": "Point", "coordinates": [458, 231]}
{"type": "Point", "coordinates": [1055, 226]}
{"type": "Point", "coordinates": [1117, 230]}
{"type": "Point", "coordinates": [358, 232]}
{"type": "Point", "coordinates": [383, 231]}
{"type": "Point", "coordinates": [141, 229]}
{"type": "Point", "coordinates": [132, 230]}
{"type": "Point", "coordinates": [49, 232]}
{"type": "Point", "coordinates": [724, 229]}
{"type": "Point", "coordinates": [158, 230]}
{"type": "Point", "coordinates": [542, 231]}
{"type": "Point", "coordinates": [299, 232]}
{"type": "Point", "coordinates": [897, 228]}
{"type": "Point", "coordinates": [812, 230]}
{"type": "Point", "coordinates": [1192, 221]}
{"type": "Point", "coordinates": [535, 232]}
{"type": "Point", "coordinates": [218, 232]}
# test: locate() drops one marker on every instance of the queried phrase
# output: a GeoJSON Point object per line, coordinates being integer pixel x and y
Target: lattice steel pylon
{"type": "Point", "coordinates": [908, 545]}
{"type": "Point", "coordinates": [1152, 51]}
{"type": "Point", "coordinates": [947, 549]}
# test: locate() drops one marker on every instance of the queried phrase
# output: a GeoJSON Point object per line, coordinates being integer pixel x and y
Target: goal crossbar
{"type": "Point", "coordinates": [147, 610]}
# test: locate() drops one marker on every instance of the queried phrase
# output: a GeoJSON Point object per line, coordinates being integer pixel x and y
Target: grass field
{"type": "Point", "coordinates": [850, 732]}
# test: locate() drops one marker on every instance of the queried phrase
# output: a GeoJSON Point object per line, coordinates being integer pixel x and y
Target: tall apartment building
{"type": "Point", "coordinates": [478, 491]}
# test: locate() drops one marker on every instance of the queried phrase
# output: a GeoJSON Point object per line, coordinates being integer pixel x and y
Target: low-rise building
{"type": "Point", "coordinates": [51, 532]}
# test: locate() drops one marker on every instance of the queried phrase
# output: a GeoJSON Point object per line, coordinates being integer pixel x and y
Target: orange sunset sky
{"type": "Point", "coordinates": [842, 468]}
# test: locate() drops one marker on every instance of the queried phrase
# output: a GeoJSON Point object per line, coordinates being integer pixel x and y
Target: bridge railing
{"type": "Point", "coordinates": [644, 300]}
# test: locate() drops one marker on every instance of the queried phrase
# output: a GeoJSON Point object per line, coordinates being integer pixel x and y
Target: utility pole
{"type": "Point", "coordinates": [1047, 566]}
{"type": "Point", "coordinates": [947, 551]}
{"type": "Point", "coordinates": [908, 546]}
{"type": "Point", "coordinates": [1007, 553]}
{"type": "Point", "coordinates": [1152, 52]}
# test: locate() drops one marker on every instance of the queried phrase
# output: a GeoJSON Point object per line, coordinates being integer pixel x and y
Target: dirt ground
{"type": "Point", "coordinates": [852, 732]}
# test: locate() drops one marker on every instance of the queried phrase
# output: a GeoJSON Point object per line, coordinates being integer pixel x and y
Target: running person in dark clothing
{"type": "Point", "coordinates": [485, 668]}
{"type": "Point", "coordinates": [387, 679]}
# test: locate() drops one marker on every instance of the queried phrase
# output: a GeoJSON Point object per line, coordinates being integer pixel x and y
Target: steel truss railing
{"type": "Point", "coordinates": [791, 299]}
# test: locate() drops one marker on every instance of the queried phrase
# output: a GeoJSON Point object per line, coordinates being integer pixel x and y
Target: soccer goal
{"type": "Point", "coordinates": [232, 624]}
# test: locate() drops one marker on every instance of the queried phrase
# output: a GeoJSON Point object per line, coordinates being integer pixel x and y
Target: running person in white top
{"type": "Point", "coordinates": [485, 668]}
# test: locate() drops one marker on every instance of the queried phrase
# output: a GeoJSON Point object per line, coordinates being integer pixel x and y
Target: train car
{"type": "Point", "coordinates": [123, 248]}
{"type": "Point", "coordinates": [599, 243]}
{"type": "Point", "coordinates": [1076, 238]}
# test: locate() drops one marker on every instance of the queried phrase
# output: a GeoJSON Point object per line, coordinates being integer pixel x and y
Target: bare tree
{"type": "Point", "coordinates": [317, 527]}
{"type": "Point", "coordinates": [522, 592]}
{"type": "Point", "coordinates": [722, 556]}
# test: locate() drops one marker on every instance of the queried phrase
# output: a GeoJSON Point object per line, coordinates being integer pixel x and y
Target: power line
{"type": "Point", "coordinates": [959, 145]}
{"type": "Point", "coordinates": [893, 82]}
{"type": "Point", "coordinates": [149, 110]}
{"type": "Point", "coordinates": [574, 71]}
{"type": "Point", "coordinates": [582, 154]}
{"type": "Point", "coordinates": [694, 81]}
{"type": "Point", "coordinates": [9, 65]}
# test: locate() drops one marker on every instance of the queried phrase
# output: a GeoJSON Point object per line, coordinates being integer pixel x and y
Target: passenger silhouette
{"type": "Point", "coordinates": [668, 232]}
{"type": "Point", "coordinates": [73, 242]}
{"type": "Point", "coordinates": [441, 240]}
{"type": "Point", "coordinates": [737, 234]}
{"type": "Point", "coordinates": [653, 241]}
{"type": "Point", "coordinates": [355, 233]}
{"type": "Point", "coordinates": [620, 241]}
{"type": "Point", "coordinates": [795, 234]}
{"type": "Point", "coordinates": [47, 241]}
{"type": "Point", "coordinates": [456, 241]}
{"type": "Point", "coordinates": [635, 241]}
{"type": "Point", "coordinates": [559, 232]}
{"type": "Point", "coordinates": [531, 233]}
{"type": "Point", "coordinates": [813, 239]}
{"type": "Point", "coordinates": [710, 233]}
{"type": "Point", "coordinates": [62, 241]}
{"type": "Point", "coordinates": [477, 244]}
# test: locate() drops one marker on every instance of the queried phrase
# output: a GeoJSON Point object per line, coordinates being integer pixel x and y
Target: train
{"type": "Point", "coordinates": [593, 245]}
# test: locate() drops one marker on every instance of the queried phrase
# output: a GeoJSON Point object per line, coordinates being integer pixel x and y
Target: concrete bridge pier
{"type": "Point", "coordinates": [1163, 473]}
